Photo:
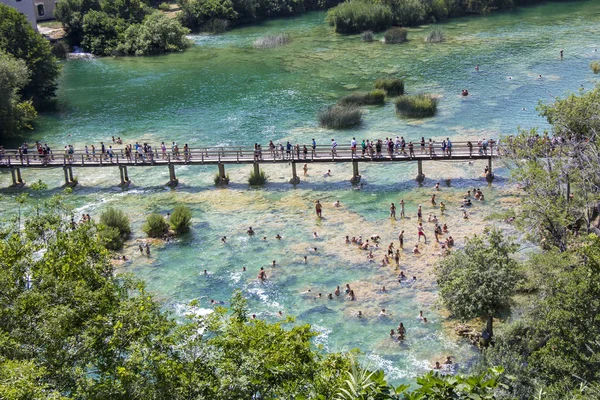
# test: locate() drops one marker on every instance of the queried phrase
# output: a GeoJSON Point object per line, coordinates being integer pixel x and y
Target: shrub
{"type": "Point", "coordinates": [117, 219]}
{"type": "Point", "coordinates": [436, 35]}
{"type": "Point", "coordinates": [339, 117]}
{"type": "Point", "coordinates": [164, 7]}
{"type": "Point", "coordinates": [395, 35]}
{"type": "Point", "coordinates": [60, 49]}
{"type": "Point", "coordinates": [357, 16]}
{"type": "Point", "coordinates": [373, 97]}
{"type": "Point", "coordinates": [110, 237]}
{"type": "Point", "coordinates": [155, 225]}
{"type": "Point", "coordinates": [197, 13]}
{"type": "Point", "coordinates": [367, 36]}
{"type": "Point", "coordinates": [412, 12]}
{"type": "Point", "coordinates": [157, 34]}
{"type": "Point", "coordinates": [392, 86]}
{"type": "Point", "coordinates": [595, 66]}
{"type": "Point", "coordinates": [181, 219]}
{"type": "Point", "coordinates": [271, 41]}
{"type": "Point", "coordinates": [257, 180]}
{"type": "Point", "coordinates": [416, 106]}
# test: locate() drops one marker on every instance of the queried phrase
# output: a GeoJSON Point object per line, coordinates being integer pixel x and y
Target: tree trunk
{"type": "Point", "coordinates": [490, 321]}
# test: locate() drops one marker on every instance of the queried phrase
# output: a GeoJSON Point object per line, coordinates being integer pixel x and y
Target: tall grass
{"type": "Point", "coordinates": [339, 117]}
{"type": "Point", "coordinates": [356, 16]}
{"type": "Point", "coordinates": [392, 86]}
{"type": "Point", "coordinates": [373, 97]}
{"type": "Point", "coordinates": [435, 35]}
{"type": "Point", "coordinates": [595, 66]}
{"type": "Point", "coordinates": [257, 180]}
{"type": "Point", "coordinates": [416, 106]}
{"type": "Point", "coordinates": [181, 219]}
{"type": "Point", "coordinates": [395, 35]}
{"type": "Point", "coordinates": [367, 36]}
{"type": "Point", "coordinates": [155, 225]}
{"type": "Point", "coordinates": [270, 41]}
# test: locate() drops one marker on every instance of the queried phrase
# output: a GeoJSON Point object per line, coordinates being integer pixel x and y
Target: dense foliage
{"type": "Point", "coordinates": [119, 27]}
{"type": "Point", "coordinates": [360, 15]}
{"type": "Point", "coordinates": [28, 72]}
{"type": "Point", "coordinates": [114, 228]}
{"type": "Point", "coordinates": [155, 226]}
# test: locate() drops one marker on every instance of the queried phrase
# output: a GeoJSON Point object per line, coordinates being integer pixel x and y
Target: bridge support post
{"type": "Point", "coordinates": [223, 180]}
{"type": "Point", "coordinates": [16, 178]}
{"type": "Point", "coordinates": [124, 176]}
{"type": "Point", "coordinates": [420, 175]}
{"type": "Point", "coordinates": [173, 181]}
{"type": "Point", "coordinates": [295, 180]}
{"type": "Point", "coordinates": [256, 169]}
{"type": "Point", "coordinates": [490, 173]}
{"type": "Point", "coordinates": [69, 180]}
{"type": "Point", "coordinates": [355, 175]}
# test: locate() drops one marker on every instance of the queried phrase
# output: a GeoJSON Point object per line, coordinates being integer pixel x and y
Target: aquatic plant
{"type": "Point", "coordinates": [392, 86]}
{"type": "Point", "coordinates": [116, 219]}
{"type": "Point", "coordinates": [257, 180]}
{"type": "Point", "coordinates": [395, 35]}
{"type": "Point", "coordinates": [110, 237]}
{"type": "Point", "coordinates": [435, 35]}
{"type": "Point", "coordinates": [217, 179]}
{"type": "Point", "coordinates": [357, 16]}
{"type": "Point", "coordinates": [595, 66]}
{"type": "Point", "coordinates": [339, 117]}
{"type": "Point", "coordinates": [416, 106]}
{"type": "Point", "coordinates": [373, 97]}
{"type": "Point", "coordinates": [155, 225]}
{"type": "Point", "coordinates": [367, 36]}
{"type": "Point", "coordinates": [270, 41]}
{"type": "Point", "coordinates": [181, 219]}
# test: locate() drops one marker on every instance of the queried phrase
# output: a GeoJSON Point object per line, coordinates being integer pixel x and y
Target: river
{"type": "Point", "coordinates": [222, 91]}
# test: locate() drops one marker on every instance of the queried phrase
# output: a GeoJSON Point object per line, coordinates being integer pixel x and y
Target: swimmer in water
{"type": "Point", "coordinates": [262, 275]}
{"type": "Point", "coordinates": [510, 78]}
{"type": "Point", "coordinates": [224, 239]}
{"type": "Point", "coordinates": [243, 269]}
{"type": "Point", "coordinates": [326, 174]}
{"type": "Point", "coordinates": [476, 67]}
{"type": "Point", "coordinates": [337, 203]}
{"type": "Point", "coordinates": [382, 313]}
{"type": "Point", "coordinates": [359, 314]}
{"type": "Point", "coordinates": [250, 231]}
{"type": "Point", "coordinates": [305, 259]}
{"type": "Point", "coordinates": [337, 290]}
{"type": "Point", "coordinates": [416, 249]}
{"type": "Point", "coordinates": [278, 236]}
{"type": "Point", "coordinates": [273, 265]}
{"type": "Point", "coordinates": [437, 186]}
{"type": "Point", "coordinates": [315, 235]}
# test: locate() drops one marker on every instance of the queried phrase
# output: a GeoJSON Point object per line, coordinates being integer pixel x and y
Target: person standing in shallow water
{"type": "Point", "coordinates": [318, 208]}
{"type": "Point", "coordinates": [393, 211]}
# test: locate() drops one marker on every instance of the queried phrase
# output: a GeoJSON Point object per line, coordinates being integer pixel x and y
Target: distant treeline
{"type": "Point", "coordinates": [216, 15]}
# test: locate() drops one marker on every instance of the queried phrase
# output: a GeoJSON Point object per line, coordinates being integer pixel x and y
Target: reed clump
{"type": "Point", "coordinates": [374, 97]}
{"type": "Point", "coordinates": [367, 36]}
{"type": "Point", "coordinates": [435, 35]}
{"type": "Point", "coordinates": [339, 117]}
{"type": "Point", "coordinates": [416, 106]}
{"type": "Point", "coordinates": [257, 179]}
{"type": "Point", "coordinates": [595, 66]}
{"type": "Point", "coordinates": [270, 41]}
{"type": "Point", "coordinates": [395, 35]}
{"type": "Point", "coordinates": [391, 86]}
{"type": "Point", "coordinates": [356, 16]}
{"type": "Point", "coordinates": [181, 219]}
{"type": "Point", "coordinates": [155, 226]}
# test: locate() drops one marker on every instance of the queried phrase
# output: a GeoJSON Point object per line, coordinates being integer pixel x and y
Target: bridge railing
{"type": "Point", "coordinates": [230, 154]}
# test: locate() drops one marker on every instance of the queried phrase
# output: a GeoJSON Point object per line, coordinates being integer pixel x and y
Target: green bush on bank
{"type": "Point", "coordinates": [395, 35]}
{"type": "Point", "coordinates": [155, 226]}
{"type": "Point", "coordinates": [357, 16]}
{"type": "Point", "coordinates": [119, 27]}
{"type": "Point", "coordinates": [416, 106]}
{"type": "Point", "coordinates": [373, 97]}
{"type": "Point", "coordinates": [181, 219]}
{"type": "Point", "coordinates": [391, 86]}
{"type": "Point", "coordinates": [339, 117]}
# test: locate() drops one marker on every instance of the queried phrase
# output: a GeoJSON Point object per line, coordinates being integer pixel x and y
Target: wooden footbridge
{"type": "Point", "coordinates": [15, 161]}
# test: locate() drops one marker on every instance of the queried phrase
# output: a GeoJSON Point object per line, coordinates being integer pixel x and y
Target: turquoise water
{"type": "Point", "coordinates": [222, 91]}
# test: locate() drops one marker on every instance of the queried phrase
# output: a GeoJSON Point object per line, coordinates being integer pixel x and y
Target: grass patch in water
{"type": "Point", "coordinates": [391, 86]}
{"type": "Point", "coordinates": [374, 97]}
{"type": "Point", "coordinates": [217, 179]}
{"type": "Point", "coordinates": [595, 66]}
{"type": "Point", "coordinates": [435, 35]}
{"type": "Point", "coordinates": [257, 180]}
{"type": "Point", "coordinates": [357, 16]}
{"type": "Point", "coordinates": [155, 226]}
{"type": "Point", "coordinates": [367, 36]}
{"type": "Point", "coordinates": [339, 117]}
{"type": "Point", "coordinates": [395, 35]}
{"type": "Point", "coordinates": [416, 106]}
{"type": "Point", "coordinates": [269, 41]}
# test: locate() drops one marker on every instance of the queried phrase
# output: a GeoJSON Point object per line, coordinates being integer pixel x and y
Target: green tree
{"type": "Point", "coordinates": [478, 281]}
{"type": "Point", "coordinates": [157, 34]}
{"type": "Point", "coordinates": [101, 32]}
{"type": "Point", "coordinates": [15, 114]}
{"type": "Point", "coordinates": [18, 38]}
{"type": "Point", "coordinates": [181, 219]}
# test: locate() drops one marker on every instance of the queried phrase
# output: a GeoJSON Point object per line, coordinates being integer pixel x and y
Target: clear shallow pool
{"type": "Point", "coordinates": [223, 91]}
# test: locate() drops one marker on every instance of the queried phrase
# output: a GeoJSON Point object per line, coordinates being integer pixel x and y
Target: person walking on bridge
{"type": "Point", "coordinates": [334, 146]}
{"type": "Point", "coordinates": [353, 146]}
